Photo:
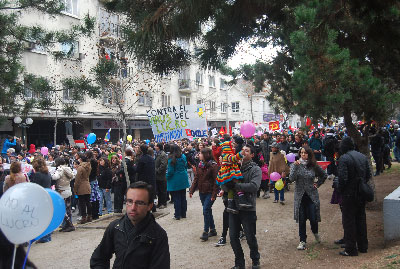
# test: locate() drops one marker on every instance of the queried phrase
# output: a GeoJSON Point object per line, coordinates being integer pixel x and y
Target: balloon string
{"type": "Point", "coordinates": [14, 254]}
{"type": "Point", "coordinates": [27, 253]}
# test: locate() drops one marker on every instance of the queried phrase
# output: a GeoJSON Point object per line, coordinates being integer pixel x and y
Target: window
{"type": "Point", "coordinates": [235, 107]}
{"type": "Point", "coordinates": [212, 106]}
{"type": "Point", "coordinates": [71, 7]}
{"type": "Point", "coordinates": [108, 96]}
{"type": "Point", "coordinates": [224, 107]}
{"type": "Point", "coordinates": [199, 78]}
{"type": "Point", "coordinates": [71, 49]}
{"type": "Point", "coordinates": [211, 81]}
{"type": "Point", "coordinates": [222, 84]}
{"type": "Point", "coordinates": [108, 24]}
{"type": "Point", "coordinates": [165, 100]}
{"type": "Point", "coordinates": [31, 94]}
{"type": "Point", "coordinates": [185, 100]}
{"type": "Point", "coordinates": [184, 79]}
{"type": "Point", "coordinates": [200, 101]}
{"type": "Point", "coordinates": [145, 99]}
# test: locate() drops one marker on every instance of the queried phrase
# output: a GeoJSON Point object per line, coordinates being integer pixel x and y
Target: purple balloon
{"type": "Point", "coordinates": [247, 129]}
{"type": "Point", "coordinates": [291, 157]}
{"type": "Point", "coordinates": [275, 176]}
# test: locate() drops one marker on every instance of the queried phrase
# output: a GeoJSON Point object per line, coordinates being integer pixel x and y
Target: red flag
{"type": "Point", "coordinates": [222, 131]}
{"type": "Point", "coordinates": [230, 130]}
{"type": "Point", "coordinates": [273, 125]}
{"type": "Point", "coordinates": [308, 122]}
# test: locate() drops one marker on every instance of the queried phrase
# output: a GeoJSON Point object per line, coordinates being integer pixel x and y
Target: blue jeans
{"type": "Point", "coordinates": [45, 239]}
{"type": "Point", "coordinates": [281, 192]}
{"type": "Point", "coordinates": [180, 203]}
{"type": "Point", "coordinates": [107, 196]}
{"type": "Point", "coordinates": [396, 152]}
{"type": "Point", "coordinates": [248, 220]}
{"type": "Point", "coordinates": [205, 199]}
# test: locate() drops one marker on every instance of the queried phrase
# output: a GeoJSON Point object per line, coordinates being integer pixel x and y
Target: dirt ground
{"type": "Point", "coordinates": [277, 235]}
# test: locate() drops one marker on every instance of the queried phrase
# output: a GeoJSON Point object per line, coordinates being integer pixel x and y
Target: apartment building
{"type": "Point", "coordinates": [144, 90]}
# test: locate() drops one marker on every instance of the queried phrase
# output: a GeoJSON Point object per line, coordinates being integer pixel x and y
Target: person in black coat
{"type": "Point", "coordinates": [136, 239]}
{"type": "Point", "coordinates": [94, 186]}
{"type": "Point", "coordinates": [352, 167]}
{"type": "Point", "coordinates": [377, 144]}
{"type": "Point", "coordinates": [104, 178]}
{"type": "Point", "coordinates": [145, 168]}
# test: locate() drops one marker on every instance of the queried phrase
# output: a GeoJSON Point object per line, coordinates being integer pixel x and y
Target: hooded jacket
{"type": "Point", "coordinates": [82, 185]}
{"type": "Point", "coordinates": [63, 177]}
{"type": "Point", "coordinates": [204, 179]}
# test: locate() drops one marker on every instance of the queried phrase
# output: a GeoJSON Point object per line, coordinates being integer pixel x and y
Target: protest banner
{"type": "Point", "coordinates": [178, 122]}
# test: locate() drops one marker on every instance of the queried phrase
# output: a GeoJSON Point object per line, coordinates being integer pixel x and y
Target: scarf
{"type": "Point", "coordinates": [303, 162]}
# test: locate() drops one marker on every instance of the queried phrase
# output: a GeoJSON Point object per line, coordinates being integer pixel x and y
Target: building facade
{"type": "Point", "coordinates": [133, 90]}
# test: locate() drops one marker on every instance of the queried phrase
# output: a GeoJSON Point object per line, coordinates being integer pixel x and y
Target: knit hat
{"type": "Point", "coordinates": [227, 147]}
{"type": "Point", "coordinates": [274, 145]}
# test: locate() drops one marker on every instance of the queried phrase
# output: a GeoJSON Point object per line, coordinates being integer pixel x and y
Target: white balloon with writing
{"type": "Point", "coordinates": [26, 210]}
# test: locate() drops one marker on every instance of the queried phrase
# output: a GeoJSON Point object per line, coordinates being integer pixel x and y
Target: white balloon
{"type": "Point", "coordinates": [26, 210]}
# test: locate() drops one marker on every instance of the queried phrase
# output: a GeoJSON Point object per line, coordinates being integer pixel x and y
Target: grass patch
{"type": "Point", "coordinates": [392, 256]}
{"type": "Point", "coordinates": [393, 265]}
{"type": "Point", "coordinates": [312, 253]}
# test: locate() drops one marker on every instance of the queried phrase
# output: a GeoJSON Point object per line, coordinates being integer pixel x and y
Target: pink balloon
{"type": "Point", "coordinates": [247, 129]}
{"type": "Point", "coordinates": [44, 150]}
{"type": "Point", "coordinates": [275, 176]}
{"type": "Point", "coordinates": [291, 157]}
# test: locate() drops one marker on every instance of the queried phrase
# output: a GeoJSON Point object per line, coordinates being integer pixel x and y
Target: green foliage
{"type": "Point", "coordinates": [104, 71]}
{"type": "Point", "coordinates": [14, 36]}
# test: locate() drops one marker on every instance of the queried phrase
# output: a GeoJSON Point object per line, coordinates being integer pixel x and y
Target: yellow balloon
{"type": "Point", "coordinates": [129, 138]}
{"type": "Point", "coordinates": [279, 185]}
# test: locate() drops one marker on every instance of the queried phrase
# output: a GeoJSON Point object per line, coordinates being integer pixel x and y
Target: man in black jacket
{"type": "Point", "coordinates": [353, 166]}
{"type": "Point", "coordinates": [136, 239]}
{"type": "Point", "coordinates": [246, 217]}
{"type": "Point", "coordinates": [161, 164]}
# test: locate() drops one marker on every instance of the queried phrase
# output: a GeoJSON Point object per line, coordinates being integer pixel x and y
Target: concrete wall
{"type": "Point", "coordinates": [391, 215]}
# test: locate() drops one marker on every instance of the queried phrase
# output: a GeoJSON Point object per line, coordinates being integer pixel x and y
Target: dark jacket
{"type": "Point", "coordinates": [142, 246]}
{"type": "Point", "coordinates": [104, 178]}
{"type": "Point", "coordinates": [205, 179]}
{"type": "Point", "coordinates": [41, 179]}
{"type": "Point", "coordinates": [250, 184]}
{"type": "Point", "coordinates": [161, 164]}
{"type": "Point", "coordinates": [331, 145]}
{"type": "Point", "coordinates": [145, 170]}
{"type": "Point", "coordinates": [265, 149]}
{"type": "Point", "coordinates": [377, 142]}
{"type": "Point", "coordinates": [284, 146]}
{"type": "Point", "coordinates": [93, 172]}
{"type": "Point", "coordinates": [347, 171]}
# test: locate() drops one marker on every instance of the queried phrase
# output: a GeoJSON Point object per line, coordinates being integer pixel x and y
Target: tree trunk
{"type": "Point", "coordinates": [123, 152]}
{"type": "Point", "coordinates": [55, 130]}
{"type": "Point", "coordinates": [362, 143]}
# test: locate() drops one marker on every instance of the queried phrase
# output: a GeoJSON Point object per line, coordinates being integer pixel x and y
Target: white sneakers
{"type": "Point", "coordinates": [301, 246]}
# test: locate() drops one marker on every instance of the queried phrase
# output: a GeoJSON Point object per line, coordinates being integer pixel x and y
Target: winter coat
{"type": "Point", "coordinates": [249, 185]}
{"type": "Point", "coordinates": [19, 178]}
{"type": "Point", "coordinates": [304, 178]}
{"type": "Point", "coordinates": [347, 173]}
{"type": "Point", "coordinates": [315, 143]}
{"type": "Point", "coordinates": [41, 179]}
{"type": "Point", "coordinates": [264, 170]}
{"type": "Point", "coordinates": [161, 164]}
{"type": "Point", "coordinates": [265, 149]}
{"type": "Point", "coordinates": [7, 144]}
{"type": "Point", "coordinates": [295, 147]}
{"type": "Point", "coordinates": [177, 176]}
{"type": "Point", "coordinates": [278, 164]}
{"type": "Point", "coordinates": [377, 143]}
{"type": "Point", "coordinates": [204, 179]}
{"type": "Point", "coordinates": [142, 246]}
{"type": "Point", "coordinates": [331, 145]}
{"type": "Point", "coordinates": [32, 148]}
{"type": "Point", "coordinates": [104, 178]}
{"type": "Point", "coordinates": [63, 177]}
{"type": "Point", "coordinates": [82, 185]}
{"type": "Point", "coordinates": [93, 173]}
{"type": "Point", "coordinates": [284, 146]}
{"type": "Point", "coordinates": [146, 171]}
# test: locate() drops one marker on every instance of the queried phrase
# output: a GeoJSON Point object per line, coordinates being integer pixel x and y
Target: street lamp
{"type": "Point", "coordinates": [28, 122]}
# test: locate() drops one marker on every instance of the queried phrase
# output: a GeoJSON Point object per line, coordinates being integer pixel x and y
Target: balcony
{"type": "Point", "coordinates": [186, 85]}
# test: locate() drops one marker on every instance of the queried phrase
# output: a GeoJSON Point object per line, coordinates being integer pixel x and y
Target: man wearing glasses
{"type": "Point", "coordinates": [136, 239]}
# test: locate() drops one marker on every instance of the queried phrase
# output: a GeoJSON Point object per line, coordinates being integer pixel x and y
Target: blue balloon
{"type": "Point", "coordinates": [147, 141]}
{"type": "Point", "coordinates": [91, 138]}
{"type": "Point", "coordinates": [58, 213]}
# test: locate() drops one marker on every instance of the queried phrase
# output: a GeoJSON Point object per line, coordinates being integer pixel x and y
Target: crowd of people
{"type": "Point", "coordinates": [234, 168]}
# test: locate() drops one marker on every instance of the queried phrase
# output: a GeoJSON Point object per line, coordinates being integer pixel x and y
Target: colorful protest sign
{"type": "Point", "coordinates": [178, 122]}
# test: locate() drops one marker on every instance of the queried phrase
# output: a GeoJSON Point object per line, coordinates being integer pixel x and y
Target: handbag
{"type": "Point", "coordinates": [364, 189]}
